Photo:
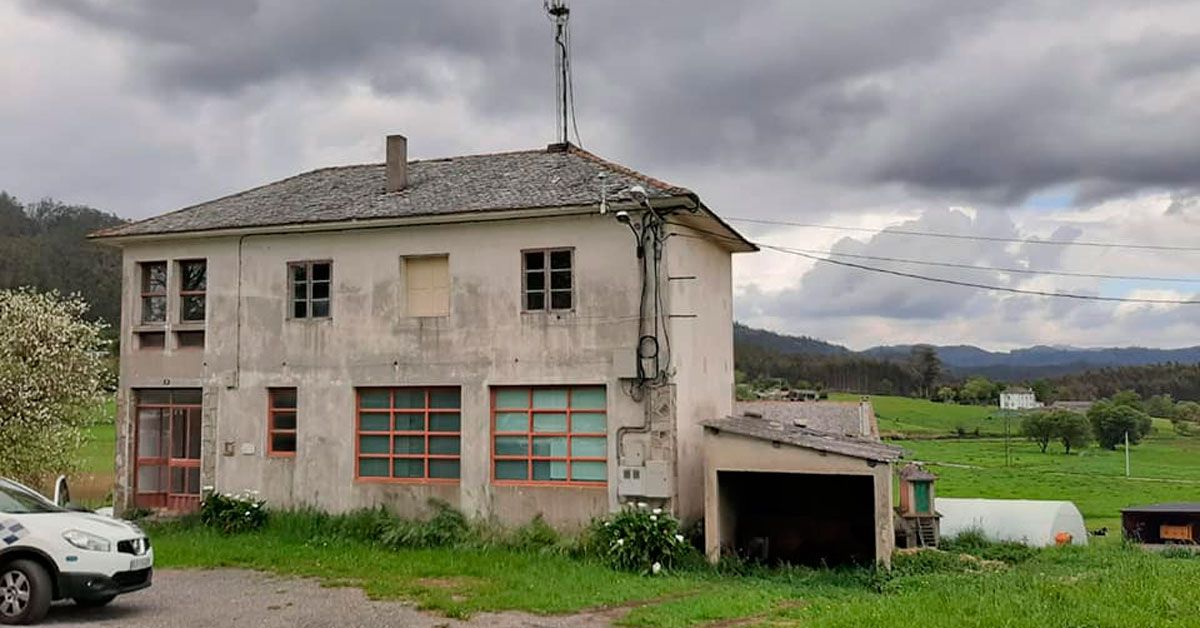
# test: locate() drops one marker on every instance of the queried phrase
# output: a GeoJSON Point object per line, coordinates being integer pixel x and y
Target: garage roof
{"type": "Point", "coordinates": [863, 447]}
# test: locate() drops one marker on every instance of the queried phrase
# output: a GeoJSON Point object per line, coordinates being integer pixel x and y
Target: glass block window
{"type": "Point", "coordinates": [309, 295]}
{"type": "Point", "coordinates": [549, 435]}
{"type": "Point", "coordinates": [193, 282]}
{"type": "Point", "coordinates": [409, 434]}
{"type": "Point", "coordinates": [548, 279]}
{"type": "Point", "coordinates": [154, 292]}
{"type": "Point", "coordinates": [281, 422]}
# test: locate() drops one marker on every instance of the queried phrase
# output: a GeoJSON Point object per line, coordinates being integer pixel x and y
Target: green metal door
{"type": "Point", "coordinates": [921, 496]}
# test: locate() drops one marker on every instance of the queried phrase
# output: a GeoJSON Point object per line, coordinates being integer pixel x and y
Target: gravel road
{"type": "Point", "coordinates": [230, 597]}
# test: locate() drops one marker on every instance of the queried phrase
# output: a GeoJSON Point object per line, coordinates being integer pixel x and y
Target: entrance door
{"type": "Point", "coordinates": [167, 473]}
{"type": "Point", "coordinates": [921, 497]}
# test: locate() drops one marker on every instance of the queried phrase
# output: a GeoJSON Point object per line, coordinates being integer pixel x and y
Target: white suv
{"type": "Point", "coordinates": [50, 553]}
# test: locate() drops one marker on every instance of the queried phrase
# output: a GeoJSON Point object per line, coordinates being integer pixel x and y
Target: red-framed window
{"type": "Point", "coordinates": [549, 435]}
{"type": "Point", "coordinates": [408, 434]}
{"type": "Point", "coordinates": [281, 422]}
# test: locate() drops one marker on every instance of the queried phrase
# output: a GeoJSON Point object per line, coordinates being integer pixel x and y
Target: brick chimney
{"type": "Point", "coordinates": [397, 163]}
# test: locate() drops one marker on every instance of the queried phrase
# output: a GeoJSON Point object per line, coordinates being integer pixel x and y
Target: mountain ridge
{"type": "Point", "coordinates": [1032, 362]}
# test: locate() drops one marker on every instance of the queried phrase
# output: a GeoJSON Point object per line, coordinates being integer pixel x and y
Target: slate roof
{"type": "Point", "coordinates": [544, 178]}
{"type": "Point", "coordinates": [863, 447]}
{"type": "Point", "coordinates": [838, 417]}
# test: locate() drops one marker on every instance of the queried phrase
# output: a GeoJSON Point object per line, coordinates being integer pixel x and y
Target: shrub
{"type": "Point", "coordinates": [232, 514]}
{"type": "Point", "coordinates": [447, 527]}
{"type": "Point", "coordinates": [639, 539]}
{"type": "Point", "coordinates": [974, 543]}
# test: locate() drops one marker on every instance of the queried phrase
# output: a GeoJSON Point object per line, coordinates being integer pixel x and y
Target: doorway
{"type": "Point", "coordinates": [799, 519]}
{"type": "Point", "coordinates": [167, 442]}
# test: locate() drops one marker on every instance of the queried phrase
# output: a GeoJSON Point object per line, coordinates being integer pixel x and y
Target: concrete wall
{"type": "Point", "coordinates": [699, 277]}
{"type": "Point", "coordinates": [725, 451]}
{"type": "Point", "coordinates": [485, 341]}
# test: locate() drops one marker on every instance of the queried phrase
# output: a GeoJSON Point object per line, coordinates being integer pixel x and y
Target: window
{"type": "Point", "coordinates": [281, 422]}
{"type": "Point", "coordinates": [193, 280]}
{"type": "Point", "coordinates": [310, 288]}
{"type": "Point", "coordinates": [409, 433]}
{"type": "Point", "coordinates": [154, 292]}
{"type": "Point", "coordinates": [554, 435]}
{"type": "Point", "coordinates": [427, 285]}
{"type": "Point", "coordinates": [548, 279]}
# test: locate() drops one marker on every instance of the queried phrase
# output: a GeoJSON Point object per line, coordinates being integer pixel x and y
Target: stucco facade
{"type": "Point", "coordinates": [252, 344]}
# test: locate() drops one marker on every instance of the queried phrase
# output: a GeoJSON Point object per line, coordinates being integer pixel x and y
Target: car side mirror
{"type": "Point", "coordinates": [62, 492]}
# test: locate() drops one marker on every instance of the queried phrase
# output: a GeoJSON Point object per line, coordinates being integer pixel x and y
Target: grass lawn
{"type": "Point", "coordinates": [905, 416]}
{"type": "Point", "coordinates": [1103, 585]}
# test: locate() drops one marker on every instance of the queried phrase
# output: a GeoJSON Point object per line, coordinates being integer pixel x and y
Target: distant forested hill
{"type": "Point", "coordinates": [44, 245]}
{"type": "Point", "coordinates": [1076, 373]}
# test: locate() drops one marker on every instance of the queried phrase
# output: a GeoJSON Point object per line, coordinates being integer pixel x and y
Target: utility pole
{"type": "Point", "coordinates": [1008, 459]}
{"type": "Point", "coordinates": [1126, 453]}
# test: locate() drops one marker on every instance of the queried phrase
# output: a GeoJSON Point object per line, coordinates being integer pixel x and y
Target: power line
{"type": "Point", "coordinates": [970, 284]}
{"type": "Point", "coordinates": [999, 269]}
{"type": "Point", "coordinates": [959, 236]}
{"type": "Point", "coordinates": [941, 280]}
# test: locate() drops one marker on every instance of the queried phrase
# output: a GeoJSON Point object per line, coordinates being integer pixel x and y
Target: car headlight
{"type": "Point", "coordinates": [84, 540]}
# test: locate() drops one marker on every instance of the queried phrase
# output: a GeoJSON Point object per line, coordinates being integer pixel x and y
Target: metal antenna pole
{"type": "Point", "coordinates": [559, 13]}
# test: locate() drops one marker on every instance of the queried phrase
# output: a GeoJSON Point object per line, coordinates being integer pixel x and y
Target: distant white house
{"type": "Point", "coordinates": [1019, 399]}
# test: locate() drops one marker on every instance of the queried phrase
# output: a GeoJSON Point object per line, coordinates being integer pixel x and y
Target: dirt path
{"type": "Point", "coordinates": [230, 597]}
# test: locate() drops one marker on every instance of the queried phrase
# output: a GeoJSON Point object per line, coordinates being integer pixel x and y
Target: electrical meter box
{"type": "Point", "coordinates": [652, 480]}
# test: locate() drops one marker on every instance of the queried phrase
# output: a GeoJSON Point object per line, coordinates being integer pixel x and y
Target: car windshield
{"type": "Point", "coordinates": [18, 500]}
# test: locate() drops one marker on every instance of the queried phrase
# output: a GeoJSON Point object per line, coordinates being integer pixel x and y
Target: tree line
{"type": "Point", "coordinates": [44, 245]}
{"type": "Point", "coordinates": [1110, 422]}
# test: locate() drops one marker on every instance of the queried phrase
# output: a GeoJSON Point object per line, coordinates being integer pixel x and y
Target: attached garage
{"type": "Point", "coordinates": [787, 492]}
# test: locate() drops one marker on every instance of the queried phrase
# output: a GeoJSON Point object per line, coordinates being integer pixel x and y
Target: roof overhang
{"type": "Point", "coordinates": [477, 216]}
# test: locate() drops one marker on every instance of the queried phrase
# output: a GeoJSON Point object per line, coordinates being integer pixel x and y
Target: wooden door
{"type": "Point", "coordinates": [167, 473]}
{"type": "Point", "coordinates": [921, 497]}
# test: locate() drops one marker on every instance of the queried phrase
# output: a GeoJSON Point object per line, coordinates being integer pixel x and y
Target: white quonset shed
{"type": "Point", "coordinates": [1032, 522]}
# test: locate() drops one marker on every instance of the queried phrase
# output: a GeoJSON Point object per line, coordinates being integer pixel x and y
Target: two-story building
{"type": "Point", "coordinates": [517, 333]}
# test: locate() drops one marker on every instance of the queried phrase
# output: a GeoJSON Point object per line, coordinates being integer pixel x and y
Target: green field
{"type": "Point", "coordinates": [1165, 467]}
{"type": "Point", "coordinates": [917, 417]}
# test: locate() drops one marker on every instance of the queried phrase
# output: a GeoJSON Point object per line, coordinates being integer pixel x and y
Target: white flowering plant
{"type": "Point", "coordinates": [51, 371]}
{"type": "Point", "coordinates": [641, 539]}
{"type": "Point", "coordinates": [233, 513]}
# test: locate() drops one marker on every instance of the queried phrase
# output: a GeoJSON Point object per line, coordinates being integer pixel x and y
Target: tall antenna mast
{"type": "Point", "coordinates": [559, 14]}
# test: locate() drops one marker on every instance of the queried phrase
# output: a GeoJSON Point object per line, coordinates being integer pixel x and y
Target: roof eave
{"type": "Point", "coordinates": [473, 216]}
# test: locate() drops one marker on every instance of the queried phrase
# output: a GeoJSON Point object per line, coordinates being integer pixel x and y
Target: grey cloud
{"type": "Point", "coordinates": [924, 94]}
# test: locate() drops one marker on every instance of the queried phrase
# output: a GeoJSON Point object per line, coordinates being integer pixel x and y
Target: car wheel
{"type": "Point", "coordinates": [24, 592]}
{"type": "Point", "coordinates": [94, 602]}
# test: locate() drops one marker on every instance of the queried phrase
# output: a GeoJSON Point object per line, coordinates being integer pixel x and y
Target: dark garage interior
{"type": "Point", "coordinates": [800, 519]}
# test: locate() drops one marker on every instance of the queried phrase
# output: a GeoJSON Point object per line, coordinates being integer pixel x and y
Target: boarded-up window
{"type": "Point", "coordinates": [427, 284]}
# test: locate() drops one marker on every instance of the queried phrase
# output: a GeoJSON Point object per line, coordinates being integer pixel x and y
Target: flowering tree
{"type": "Point", "coordinates": [51, 371]}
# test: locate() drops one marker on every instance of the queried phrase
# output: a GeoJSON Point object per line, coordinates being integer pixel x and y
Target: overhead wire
{"type": "Point", "coordinates": [941, 280]}
{"type": "Point", "coordinates": [960, 236]}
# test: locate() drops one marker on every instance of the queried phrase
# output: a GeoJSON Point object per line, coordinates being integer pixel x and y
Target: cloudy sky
{"type": "Point", "coordinates": [1039, 119]}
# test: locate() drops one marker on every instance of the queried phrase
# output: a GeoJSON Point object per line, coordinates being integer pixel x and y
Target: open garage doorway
{"type": "Point", "coordinates": [798, 518]}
